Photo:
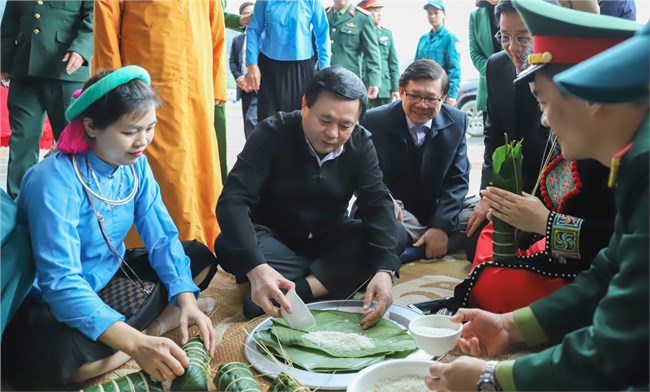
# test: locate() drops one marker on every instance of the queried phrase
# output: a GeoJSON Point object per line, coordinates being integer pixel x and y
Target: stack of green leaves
{"type": "Point", "coordinates": [196, 376]}
{"type": "Point", "coordinates": [506, 174]}
{"type": "Point", "coordinates": [390, 341]}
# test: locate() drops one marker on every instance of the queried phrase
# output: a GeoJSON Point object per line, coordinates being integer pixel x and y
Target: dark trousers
{"type": "Point", "coordinates": [249, 112]}
{"type": "Point", "coordinates": [41, 353]}
{"type": "Point", "coordinates": [337, 260]}
{"type": "Point", "coordinates": [28, 102]}
{"type": "Point", "coordinates": [282, 86]}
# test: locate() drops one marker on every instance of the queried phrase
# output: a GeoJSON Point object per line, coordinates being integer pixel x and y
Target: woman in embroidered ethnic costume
{"type": "Point", "coordinates": [79, 204]}
{"type": "Point", "coordinates": [571, 220]}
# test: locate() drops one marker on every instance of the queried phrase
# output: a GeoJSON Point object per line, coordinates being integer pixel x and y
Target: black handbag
{"type": "Point", "coordinates": [124, 296]}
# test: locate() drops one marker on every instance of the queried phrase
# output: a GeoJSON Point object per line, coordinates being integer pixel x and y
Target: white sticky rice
{"type": "Point", "coordinates": [340, 341]}
{"type": "Point", "coordinates": [433, 332]}
{"type": "Point", "coordinates": [402, 384]}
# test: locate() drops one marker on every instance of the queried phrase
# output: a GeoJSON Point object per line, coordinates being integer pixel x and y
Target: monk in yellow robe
{"type": "Point", "coordinates": [180, 43]}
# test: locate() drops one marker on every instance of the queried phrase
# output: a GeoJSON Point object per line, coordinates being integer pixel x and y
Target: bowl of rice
{"type": "Point", "coordinates": [394, 375]}
{"type": "Point", "coordinates": [435, 334]}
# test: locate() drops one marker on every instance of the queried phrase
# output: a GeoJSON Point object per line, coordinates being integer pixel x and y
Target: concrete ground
{"type": "Point", "coordinates": [235, 137]}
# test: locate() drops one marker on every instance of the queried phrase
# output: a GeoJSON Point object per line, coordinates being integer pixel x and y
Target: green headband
{"type": "Point", "coordinates": [103, 86]}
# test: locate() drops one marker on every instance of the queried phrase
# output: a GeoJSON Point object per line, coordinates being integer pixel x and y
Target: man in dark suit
{"type": "Point", "coordinates": [247, 95]}
{"type": "Point", "coordinates": [423, 154]}
{"type": "Point", "coordinates": [511, 109]}
{"type": "Point", "coordinates": [46, 50]}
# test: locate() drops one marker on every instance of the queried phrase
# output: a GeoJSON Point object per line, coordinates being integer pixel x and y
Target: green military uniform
{"type": "Point", "coordinates": [35, 37]}
{"type": "Point", "coordinates": [601, 320]}
{"type": "Point", "coordinates": [389, 68]}
{"type": "Point", "coordinates": [352, 32]}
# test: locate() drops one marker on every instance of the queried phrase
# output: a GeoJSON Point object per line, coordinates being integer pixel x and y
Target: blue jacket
{"type": "Point", "coordinates": [442, 47]}
{"type": "Point", "coordinates": [72, 258]}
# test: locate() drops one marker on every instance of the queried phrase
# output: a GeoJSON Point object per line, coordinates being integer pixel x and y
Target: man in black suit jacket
{"type": "Point", "coordinates": [247, 95]}
{"type": "Point", "coordinates": [511, 109]}
{"type": "Point", "coordinates": [423, 154]}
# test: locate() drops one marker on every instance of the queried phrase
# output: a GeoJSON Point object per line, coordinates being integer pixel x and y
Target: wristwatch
{"type": "Point", "coordinates": [393, 275]}
{"type": "Point", "coordinates": [487, 382]}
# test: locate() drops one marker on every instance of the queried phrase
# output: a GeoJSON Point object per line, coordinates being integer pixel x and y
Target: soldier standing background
{"type": "Point", "coordinates": [46, 51]}
{"type": "Point", "coordinates": [352, 34]}
{"type": "Point", "coordinates": [389, 62]}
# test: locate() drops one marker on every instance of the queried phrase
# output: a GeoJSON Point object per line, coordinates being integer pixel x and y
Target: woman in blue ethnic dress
{"type": "Point", "coordinates": [78, 205]}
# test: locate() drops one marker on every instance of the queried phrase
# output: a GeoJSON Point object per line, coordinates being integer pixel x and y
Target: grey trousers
{"type": "Point", "coordinates": [457, 239]}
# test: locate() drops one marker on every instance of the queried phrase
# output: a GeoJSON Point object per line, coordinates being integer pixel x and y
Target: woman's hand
{"type": "Point", "coordinates": [159, 357]}
{"type": "Point", "coordinates": [253, 77]}
{"type": "Point", "coordinates": [486, 334]}
{"type": "Point", "coordinates": [525, 212]}
{"type": "Point", "coordinates": [266, 283]}
{"type": "Point", "coordinates": [380, 288]}
{"type": "Point", "coordinates": [192, 315]}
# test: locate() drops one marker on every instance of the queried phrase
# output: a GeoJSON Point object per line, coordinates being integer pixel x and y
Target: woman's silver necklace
{"type": "Point", "coordinates": [111, 203]}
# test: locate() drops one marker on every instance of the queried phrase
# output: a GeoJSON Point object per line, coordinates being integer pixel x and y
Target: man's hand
{"type": "Point", "coordinates": [265, 286]}
{"type": "Point", "coordinates": [436, 241]}
{"type": "Point", "coordinates": [74, 61]}
{"type": "Point", "coordinates": [478, 216]}
{"type": "Point", "coordinates": [380, 289]}
{"type": "Point", "coordinates": [373, 91]}
{"type": "Point", "coordinates": [5, 78]}
{"type": "Point", "coordinates": [463, 374]}
{"type": "Point", "coordinates": [395, 96]}
{"type": "Point", "coordinates": [244, 19]}
{"type": "Point", "coordinates": [525, 212]}
{"type": "Point", "coordinates": [253, 77]}
{"type": "Point", "coordinates": [451, 101]}
{"type": "Point", "coordinates": [192, 315]}
{"type": "Point", "coordinates": [486, 334]}
{"type": "Point", "coordinates": [241, 83]}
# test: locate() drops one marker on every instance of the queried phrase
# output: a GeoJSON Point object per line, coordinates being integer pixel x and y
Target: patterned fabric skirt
{"type": "Point", "coordinates": [499, 287]}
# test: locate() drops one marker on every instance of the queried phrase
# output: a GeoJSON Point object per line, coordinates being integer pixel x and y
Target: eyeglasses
{"type": "Point", "coordinates": [505, 39]}
{"type": "Point", "coordinates": [418, 99]}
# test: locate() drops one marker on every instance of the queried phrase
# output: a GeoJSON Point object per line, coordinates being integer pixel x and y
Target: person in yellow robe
{"type": "Point", "coordinates": [180, 43]}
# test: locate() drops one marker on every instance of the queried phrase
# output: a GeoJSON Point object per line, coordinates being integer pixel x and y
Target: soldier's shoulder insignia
{"type": "Point", "coordinates": [365, 12]}
{"type": "Point", "coordinates": [351, 24]}
{"type": "Point", "coordinates": [383, 38]}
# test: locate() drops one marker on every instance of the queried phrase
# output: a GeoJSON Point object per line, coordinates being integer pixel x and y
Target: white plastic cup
{"type": "Point", "coordinates": [301, 317]}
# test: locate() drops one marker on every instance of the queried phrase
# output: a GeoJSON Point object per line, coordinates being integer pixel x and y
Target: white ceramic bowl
{"type": "Point", "coordinates": [437, 345]}
{"type": "Point", "coordinates": [387, 370]}
{"type": "Point", "coordinates": [300, 317]}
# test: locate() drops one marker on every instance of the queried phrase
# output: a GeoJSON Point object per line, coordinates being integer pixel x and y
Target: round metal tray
{"type": "Point", "coordinates": [323, 381]}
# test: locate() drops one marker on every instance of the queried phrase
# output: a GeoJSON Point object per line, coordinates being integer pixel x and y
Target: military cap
{"type": "Point", "coordinates": [435, 3]}
{"type": "Point", "coordinates": [566, 36]}
{"type": "Point", "coordinates": [617, 75]}
{"type": "Point", "coordinates": [370, 4]}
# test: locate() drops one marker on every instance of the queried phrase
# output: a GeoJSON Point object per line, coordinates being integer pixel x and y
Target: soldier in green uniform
{"type": "Point", "coordinates": [389, 61]}
{"type": "Point", "coordinates": [598, 324]}
{"type": "Point", "coordinates": [46, 51]}
{"type": "Point", "coordinates": [352, 33]}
